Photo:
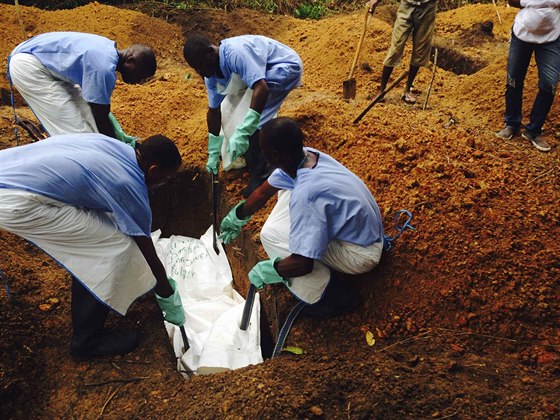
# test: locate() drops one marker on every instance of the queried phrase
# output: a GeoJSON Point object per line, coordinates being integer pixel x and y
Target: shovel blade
{"type": "Point", "coordinates": [349, 89]}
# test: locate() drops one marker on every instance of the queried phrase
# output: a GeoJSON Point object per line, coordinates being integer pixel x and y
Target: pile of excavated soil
{"type": "Point", "coordinates": [464, 310]}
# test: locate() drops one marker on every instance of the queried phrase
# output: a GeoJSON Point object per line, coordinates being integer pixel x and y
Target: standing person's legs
{"type": "Point", "coordinates": [518, 62]}
{"type": "Point", "coordinates": [385, 76]}
{"type": "Point", "coordinates": [424, 18]}
{"type": "Point", "coordinates": [58, 105]}
{"type": "Point", "coordinates": [401, 30]}
{"type": "Point", "coordinates": [547, 57]}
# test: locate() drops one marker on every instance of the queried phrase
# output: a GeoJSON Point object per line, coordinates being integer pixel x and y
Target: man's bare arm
{"type": "Point", "coordinates": [294, 266]}
{"type": "Point", "coordinates": [260, 96]}
{"type": "Point", "coordinates": [256, 200]}
{"type": "Point", "coordinates": [214, 120]}
{"type": "Point", "coordinates": [146, 246]}
{"type": "Point", "coordinates": [101, 116]}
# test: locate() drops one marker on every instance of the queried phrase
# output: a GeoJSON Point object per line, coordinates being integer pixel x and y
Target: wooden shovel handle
{"type": "Point", "coordinates": [357, 54]}
{"type": "Point", "coordinates": [381, 95]}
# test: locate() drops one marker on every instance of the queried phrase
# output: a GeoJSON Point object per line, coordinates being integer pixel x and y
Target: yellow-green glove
{"type": "Point", "coordinates": [265, 273]}
{"type": "Point", "coordinates": [171, 306]}
{"type": "Point", "coordinates": [214, 151]}
{"type": "Point", "coordinates": [231, 225]}
{"type": "Point", "coordinates": [239, 142]}
{"type": "Point", "coordinates": [119, 132]}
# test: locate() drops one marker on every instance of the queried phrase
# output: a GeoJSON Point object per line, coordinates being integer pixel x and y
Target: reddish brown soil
{"type": "Point", "coordinates": [464, 310]}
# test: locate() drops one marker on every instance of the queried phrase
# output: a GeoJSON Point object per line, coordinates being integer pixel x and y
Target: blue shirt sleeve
{"type": "Point", "coordinates": [281, 180]}
{"type": "Point", "coordinates": [248, 60]}
{"type": "Point", "coordinates": [214, 98]}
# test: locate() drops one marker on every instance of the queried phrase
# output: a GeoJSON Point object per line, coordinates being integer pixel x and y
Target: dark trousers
{"type": "Point", "coordinates": [547, 57]}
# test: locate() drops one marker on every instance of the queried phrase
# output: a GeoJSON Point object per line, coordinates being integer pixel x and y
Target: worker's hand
{"type": "Point", "coordinates": [214, 151]}
{"type": "Point", "coordinates": [265, 273]}
{"type": "Point", "coordinates": [239, 142]}
{"type": "Point", "coordinates": [231, 225]}
{"type": "Point", "coordinates": [372, 4]}
{"type": "Point", "coordinates": [171, 306]}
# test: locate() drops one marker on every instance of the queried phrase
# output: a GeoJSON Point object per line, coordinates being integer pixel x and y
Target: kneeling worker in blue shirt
{"type": "Point", "coordinates": [266, 66]}
{"type": "Point", "coordinates": [67, 78]}
{"type": "Point", "coordinates": [83, 199]}
{"type": "Point", "coordinates": [325, 219]}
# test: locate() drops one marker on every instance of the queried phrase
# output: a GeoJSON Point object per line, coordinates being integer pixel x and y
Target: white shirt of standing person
{"type": "Point", "coordinates": [538, 22]}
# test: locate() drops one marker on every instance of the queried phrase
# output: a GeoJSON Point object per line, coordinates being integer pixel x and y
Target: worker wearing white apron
{"type": "Point", "coordinates": [325, 219]}
{"type": "Point", "coordinates": [265, 66]}
{"type": "Point", "coordinates": [67, 78]}
{"type": "Point", "coordinates": [83, 199]}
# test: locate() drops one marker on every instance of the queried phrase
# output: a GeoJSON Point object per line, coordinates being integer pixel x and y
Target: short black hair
{"type": "Point", "coordinates": [161, 151]}
{"type": "Point", "coordinates": [284, 135]}
{"type": "Point", "coordinates": [195, 47]}
{"type": "Point", "coordinates": [146, 60]}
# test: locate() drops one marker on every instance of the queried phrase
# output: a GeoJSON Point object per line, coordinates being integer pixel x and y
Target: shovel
{"type": "Point", "coordinates": [349, 85]}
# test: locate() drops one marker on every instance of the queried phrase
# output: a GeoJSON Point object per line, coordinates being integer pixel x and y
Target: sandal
{"type": "Point", "coordinates": [408, 98]}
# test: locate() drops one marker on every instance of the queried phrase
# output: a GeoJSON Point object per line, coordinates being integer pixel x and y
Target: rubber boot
{"type": "Point", "coordinates": [89, 337]}
{"type": "Point", "coordinates": [259, 169]}
{"type": "Point", "coordinates": [337, 300]}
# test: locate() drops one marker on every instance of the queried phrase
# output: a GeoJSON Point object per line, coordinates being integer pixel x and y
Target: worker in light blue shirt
{"type": "Point", "coordinates": [325, 219]}
{"type": "Point", "coordinates": [267, 67]}
{"type": "Point", "coordinates": [67, 79]}
{"type": "Point", "coordinates": [83, 199]}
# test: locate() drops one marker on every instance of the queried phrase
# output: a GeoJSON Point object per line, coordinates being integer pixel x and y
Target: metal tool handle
{"type": "Point", "coordinates": [185, 339]}
{"type": "Point", "coordinates": [381, 96]}
{"type": "Point", "coordinates": [248, 308]}
{"type": "Point", "coordinates": [215, 200]}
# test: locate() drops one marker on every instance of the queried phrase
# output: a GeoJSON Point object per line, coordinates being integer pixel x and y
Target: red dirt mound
{"type": "Point", "coordinates": [464, 310]}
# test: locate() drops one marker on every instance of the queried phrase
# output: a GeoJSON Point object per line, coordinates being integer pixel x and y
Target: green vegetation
{"type": "Point", "coordinates": [303, 9]}
{"type": "Point", "coordinates": [311, 10]}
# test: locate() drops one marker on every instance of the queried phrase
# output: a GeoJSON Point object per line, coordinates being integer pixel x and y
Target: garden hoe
{"type": "Point", "coordinates": [349, 85]}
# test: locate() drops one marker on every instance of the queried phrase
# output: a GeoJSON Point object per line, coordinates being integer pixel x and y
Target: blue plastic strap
{"type": "Point", "coordinates": [12, 100]}
{"type": "Point", "coordinates": [6, 285]}
{"type": "Point", "coordinates": [285, 330]}
{"type": "Point", "coordinates": [388, 240]}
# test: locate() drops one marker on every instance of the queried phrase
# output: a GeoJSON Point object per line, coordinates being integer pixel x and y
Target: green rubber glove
{"type": "Point", "coordinates": [171, 306]}
{"type": "Point", "coordinates": [214, 152]}
{"type": "Point", "coordinates": [265, 273]}
{"type": "Point", "coordinates": [239, 142]}
{"type": "Point", "coordinates": [121, 135]}
{"type": "Point", "coordinates": [231, 225]}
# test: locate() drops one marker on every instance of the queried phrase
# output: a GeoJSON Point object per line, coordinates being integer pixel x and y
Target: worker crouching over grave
{"type": "Point", "coordinates": [326, 220]}
{"type": "Point", "coordinates": [255, 74]}
{"type": "Point", "coordinates": [83, 199]}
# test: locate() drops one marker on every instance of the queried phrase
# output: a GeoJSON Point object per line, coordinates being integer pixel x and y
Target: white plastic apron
{"type": "Point", "coordinates": [234, 107]}
{"type": "Point", "coordinates": [58, 104]}
{"type": "Point", "coordinates": [85, 242]}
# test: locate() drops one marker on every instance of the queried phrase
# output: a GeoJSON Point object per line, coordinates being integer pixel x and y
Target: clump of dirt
{"type": "Point", "coordinates": [463, 310]}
